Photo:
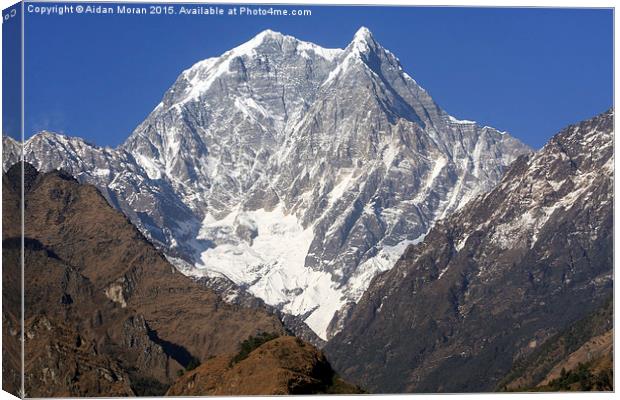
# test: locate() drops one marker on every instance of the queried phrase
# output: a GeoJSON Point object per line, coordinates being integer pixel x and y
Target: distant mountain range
{"type": "Point", "coordinates": [289, 172]}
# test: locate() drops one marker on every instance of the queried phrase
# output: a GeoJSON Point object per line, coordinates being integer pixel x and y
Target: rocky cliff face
{"type": "Point", "coordinates": [296, 172]}
{"type": "Point", "coordinates": [491, 283]}
{"type": "Point", "coordinates": [105, 313]}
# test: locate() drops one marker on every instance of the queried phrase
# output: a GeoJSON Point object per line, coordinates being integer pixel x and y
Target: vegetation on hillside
{"type": "Point", "coordinates": [252, 343]}
{"type": "Point", "coordinates": [535, 366]}
{"type": "Point", "coordinates": [583, 378]}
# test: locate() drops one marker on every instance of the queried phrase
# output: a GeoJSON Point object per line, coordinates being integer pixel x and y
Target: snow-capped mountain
{"type": "Point", "coordinates": [295, 171]}
{"type": "Point", "coordinates": [151, 205]}
{"type": "Point", "coordinates": [11, 152]}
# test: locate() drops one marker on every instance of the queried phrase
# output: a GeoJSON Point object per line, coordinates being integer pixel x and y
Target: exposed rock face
{"type": "Point", "coordinates": [282, 366]}
{"type": "Point", "coordinates": [296, 172]}
{"type": "Point", "coordinates": [105, 313]}
{"type": "Point", "coordinates": [492, 282]}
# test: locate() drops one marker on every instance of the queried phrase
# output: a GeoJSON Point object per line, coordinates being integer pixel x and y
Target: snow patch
{"type": "Point", "coordinates": [438, 165]}
{"type": "Point", "coordinates": [340, 188]}
{"type": "Point", "coordinates": [151, 169]}
{"type": "Point", "coordinates": [385, 259]}
{"type": "Point", "coordinates": [460, 121]}
{"type": "Point", "coordinates": [104, 172]}
{"type": "Point", "coordinates": [272, 265]}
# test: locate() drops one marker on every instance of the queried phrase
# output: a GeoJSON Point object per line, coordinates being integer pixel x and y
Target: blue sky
{"type": "Point", "coordinates": [11, 72]}
{"type": "Point", "coordinates": [528, 71]}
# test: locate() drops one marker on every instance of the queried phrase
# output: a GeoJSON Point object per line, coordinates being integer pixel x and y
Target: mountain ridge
{"type": "Point", "coordinates": [494, 281]}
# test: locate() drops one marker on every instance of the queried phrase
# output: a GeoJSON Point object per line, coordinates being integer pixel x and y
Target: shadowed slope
{"type": "Point", "coordinates": [106, 314]}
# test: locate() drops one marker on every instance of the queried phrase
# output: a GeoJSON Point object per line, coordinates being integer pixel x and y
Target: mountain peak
{"type": "Point", "coordinates": [267, 34]}
{"type": "Point", "coordinates": [255, 42]}
{"type": "Point", "coordinates": [363, 41]}
{"type": "Point", "coordinates": [47, 133]}
{"type": "Point", "coordinates": [363, 34]}
{"type": "Point", "coordinates": [55, 137]}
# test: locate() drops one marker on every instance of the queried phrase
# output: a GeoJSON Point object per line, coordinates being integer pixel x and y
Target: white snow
{"type": "Point", "coordinates": [460, 121]}
{"type": "Point", "coordinates": [383, 261]}
{"type": "Point", "coordinates": [273, 263]}
{"type": "Point", "coordinates": [101, 172]}
{"type": "Point", "coordinates": [438, 165]}
{"type": "Point", "coordinates": [152, 170]}
{"type": "Point", "coordinates": [352, 57]}
{"type": "Point", "coordinates": [361, 40]}
{"type": "Point", "coordinates": [454, 202]}
{"type": "Point", "coordinates": [389, 154]}
{"type": "Point", "coordinates": [202, 74]}
{"type": "Point", "coordinates": [461, 243]}
{"type": "Point", "coordinates": [250, 107]}
{"type": "Point", "coordinates": [328, 54]}
{"type": "Point", "coordinates": [443, 271]}
{"type": "Point", "coordinates": [340, 188]}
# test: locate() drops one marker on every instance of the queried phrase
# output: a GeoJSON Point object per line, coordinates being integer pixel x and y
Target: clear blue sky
{"type": "Point", "coordinates": [11, 71]}
{"type": "Point", "coordinates": [528, 71]}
